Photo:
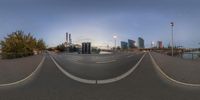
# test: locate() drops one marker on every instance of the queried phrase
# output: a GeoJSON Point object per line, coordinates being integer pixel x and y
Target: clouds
{"type": "Point", "coordinates": [100, 19]}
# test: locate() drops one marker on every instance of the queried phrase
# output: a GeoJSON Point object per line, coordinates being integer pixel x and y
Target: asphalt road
{"type": "Point", "coordinates": [97, 67]}
{"type": "Point", "coordinates": [142, 84]}
{"type": "Point", "coordinates": [12, 70]}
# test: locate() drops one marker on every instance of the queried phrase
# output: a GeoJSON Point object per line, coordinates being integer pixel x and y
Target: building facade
{"type": "Point", "coordinates": [131, 44]}
{"type": "Point", "coordinates": [140, 42]}
{"type": "Point", "coordinates": [124, 45]}
{"type": "Point", "coordinates": [159, 44]}
{"type": "Point", "coordinates": [86, 48]}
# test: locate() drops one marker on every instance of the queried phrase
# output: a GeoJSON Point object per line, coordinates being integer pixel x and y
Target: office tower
{"type": "Point", "coordinates": [140, 42]}
{"type": "Point", "coordinates": [124, 45]}
{"type": "Point", "coordinates": [131, 43]}
{"type": "Point", "coordinates": [159, 44]}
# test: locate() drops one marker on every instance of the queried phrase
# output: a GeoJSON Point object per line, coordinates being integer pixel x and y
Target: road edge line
{"type": "Point", "coordinates": [124, 75]}
{"type": "Point", "coordinates": [28, 77]}
{"type": "Point", "coordinates": [72, 76]}
{"type": "Point", "coordinates": [168, 77]}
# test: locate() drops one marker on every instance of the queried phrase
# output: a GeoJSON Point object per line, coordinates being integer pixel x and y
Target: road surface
{"type": "Point", "coordinates": [97, 67]}
{"type": "Point", "coordinates": [143, 84]}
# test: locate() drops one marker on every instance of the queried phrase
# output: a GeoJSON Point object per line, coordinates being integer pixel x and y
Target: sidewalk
{"type": "Point", "coordinates": [16, 69]}
{"type": "Point", "coordinates": [187, 71]}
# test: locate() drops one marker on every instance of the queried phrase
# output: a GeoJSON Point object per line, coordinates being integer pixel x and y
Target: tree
{"type": "Point", "coordinates": [61, 47]}
{"type": "Point", "coordinates": [118, 48]}
{"type": "Point", "coordinates": [18, 44]}
{"type": "Point", "coordinates": [40, 44]}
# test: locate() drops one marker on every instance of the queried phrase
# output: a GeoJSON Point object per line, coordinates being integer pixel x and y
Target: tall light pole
{"type": "Point", "coordinates": [172, 29]}
{"type": "Point", "coordinates": [115, 38]}
{"type": "Point", "coordinates": [199, 47]}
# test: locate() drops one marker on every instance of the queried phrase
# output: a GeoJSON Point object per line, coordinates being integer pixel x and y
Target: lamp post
{"type": "Point", "coordinates": [172, 30]}
{"type": "Point", "coordinates": [199, 44]}
{"type": "Point", "coordinates": [115, 38]}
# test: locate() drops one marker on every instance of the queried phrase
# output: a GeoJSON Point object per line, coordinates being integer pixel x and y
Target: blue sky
{"type": "Point", "coordinates": [99, 20]}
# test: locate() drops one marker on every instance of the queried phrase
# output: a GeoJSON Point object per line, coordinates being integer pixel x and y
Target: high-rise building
{"type": "Point", "coordinates": [140, 42]}
{"type": "Point", "coordinates": [131, 43]}
{"type": "Point", "coordinates": [86, 48]}
{"type": "Point", "coordinates": [159, 44]}
{"type": "Point", "coordinates": [124, 45]}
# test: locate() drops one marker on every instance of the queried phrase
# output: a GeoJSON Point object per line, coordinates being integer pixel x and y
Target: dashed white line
{"type": "Point", "coordinates": [106, 81]}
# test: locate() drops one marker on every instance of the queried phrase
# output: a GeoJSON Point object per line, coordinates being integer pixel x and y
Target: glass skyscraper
{"type": "Point", "coordinates": [131, 43]}
{"type": "Point", "coordinates": [140, 42]}
{"type": "Point", "coordinates": [124, 45]}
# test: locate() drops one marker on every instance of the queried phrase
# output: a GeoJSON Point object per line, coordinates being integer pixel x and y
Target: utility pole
{"type": "Point", "coordinates": [172, 29]}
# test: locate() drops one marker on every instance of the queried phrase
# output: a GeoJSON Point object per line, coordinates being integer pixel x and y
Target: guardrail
{"type": "Point", "coordinates": [192, 55]}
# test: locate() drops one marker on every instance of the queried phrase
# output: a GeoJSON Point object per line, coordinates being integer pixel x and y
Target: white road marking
{"type": "Point", "coordinates": [72, 76]}
{"type": "Point", "coordinates": [106, 81]}
{"type": "Point", "coordinates": [74, 59]}
{"type": "Point", "coordinates": [168, 77]}
{"type": "Point", "coordinates": [27, 78]}
{"type": "Point", "coordinates": [111, 80]}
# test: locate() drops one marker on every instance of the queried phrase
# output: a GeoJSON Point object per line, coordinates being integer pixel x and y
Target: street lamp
{"type": "Point", "coordinates": [115, 38]}
{"type": "Point", "coordinates": [172, 29]}
{"type": "Point", "coordinates": [199, 44]}
{"type": "Point", "coordinates": [152, 44]}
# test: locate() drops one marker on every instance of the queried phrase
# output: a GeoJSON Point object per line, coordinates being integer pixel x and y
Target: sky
{"type": "Point", "coordinates": [98, 21]}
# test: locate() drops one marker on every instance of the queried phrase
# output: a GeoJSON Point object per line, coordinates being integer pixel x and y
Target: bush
{"type": "Point", "coordinates": [18, 44]}
{"type": "Point", "coordinates": [60, 48]}
{"type": "Point", "coordinates": [15, 55]}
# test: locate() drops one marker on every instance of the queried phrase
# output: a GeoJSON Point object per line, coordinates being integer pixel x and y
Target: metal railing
{"type": "Point", "coordinates": [191, 55]}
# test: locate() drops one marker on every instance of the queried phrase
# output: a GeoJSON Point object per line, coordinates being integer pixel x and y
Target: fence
{"type": "Point", "coordinates": [191, 55]}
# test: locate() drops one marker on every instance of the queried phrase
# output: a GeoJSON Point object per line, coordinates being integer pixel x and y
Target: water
{"type": "Point", "coordinates": [191, 55]}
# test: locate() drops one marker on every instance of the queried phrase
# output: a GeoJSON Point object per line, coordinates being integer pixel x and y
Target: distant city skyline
{"type": "Point", "coordinates": [97, 21]}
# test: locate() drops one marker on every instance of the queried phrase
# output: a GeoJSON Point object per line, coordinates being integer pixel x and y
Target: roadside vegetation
{"type": "Point", "coordinates": [18, 44]}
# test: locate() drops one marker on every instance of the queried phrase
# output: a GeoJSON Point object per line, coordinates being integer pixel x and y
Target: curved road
{"type": "Point", "coordinates": [142, 84]}
{"type": "Point", "coordinates": [97, 67]}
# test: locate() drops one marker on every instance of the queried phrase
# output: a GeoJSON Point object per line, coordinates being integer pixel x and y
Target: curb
{"type": "Point", "coordinates": [168, 77]}
{"type": "Point", "coordinates": [106, 81]}
{"type": "Point", "coordinates": [22, 81]}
